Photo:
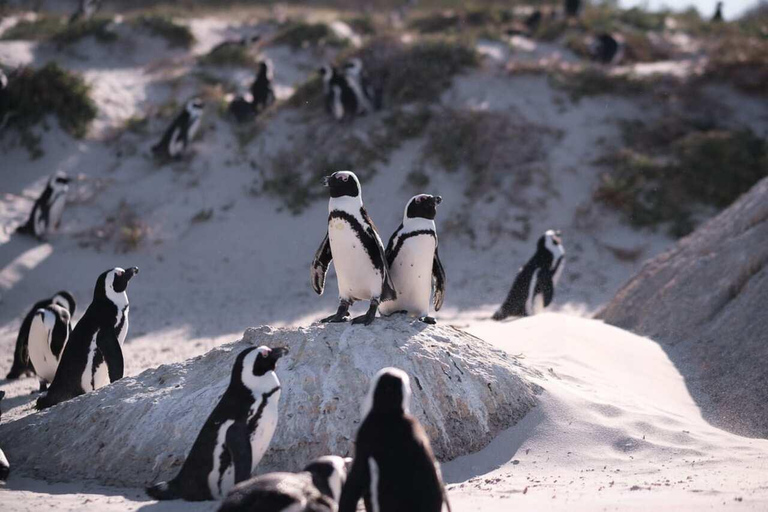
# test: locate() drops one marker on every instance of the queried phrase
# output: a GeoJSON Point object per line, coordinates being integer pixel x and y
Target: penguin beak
{"type": "Point", "coordinates": [326, 181]}
{"type": "Point", "coordinates": [438, 200]}
{"type": "Point", "coordinates": [129, 273]}
{"type": "Point", "coordinates": [278, 352]}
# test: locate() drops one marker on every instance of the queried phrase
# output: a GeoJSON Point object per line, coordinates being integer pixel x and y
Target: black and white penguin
{"type": "Point", "coordinates": [607, 48]}
{"type": "Point", "coordinates": [394, 468]}
{"type": "Point", "coordinates": [261, 89]}
{"type": "Point", "coordinates": [533, 21]}
{"type": "Point", "coordinates": [534, 285]}
{"type": "Point", "coordinates": [22, 366]}
{"type": "Point", "coordinates": [47, 211]}
{"type": "Point", "coordinates": [356, 248]}
{"type": "Point", "coordinates": [182, 130]}
{"type": "Point", "coordinates": [5, 467]}
{"type": "Point", "coordinates": [48, 335]}
{"type": "Point", "coordinates": [572, 8]}
{"type": "Point", "coordinates": [368, 98]}
{"type": "Point", "coordinates": [414, 262]}
{"type": "Point", "coordinates": [85, 10]}
{"type": "Point", "coordinates": [718, 16]}
{"type": "Point", "coordinates": [93, 356]}
{"type": "Point", "coordinates": [5, 100]}
{"type": "Point", "coordinates": [340, 99]}
{"type": "Point", "coordinates": [235, 436]}
{"type": "Point", "coordinates": [317, 488]}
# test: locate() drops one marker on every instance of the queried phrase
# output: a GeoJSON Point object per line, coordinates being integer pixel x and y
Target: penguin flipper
{"type": "Point", "coordinates": [388, 290]}
{"type": "Point", "coordinates": [438, 274]}
{"type": "Point", "coordinates": [106, 341]}
{"type": "Point", "coordinates": [356, 484]}
{"type": "Point", "coordinates": [163, 491]}
{"type": "Point", "coordinates": [239, 446]}
{"type": "Point", "coordinates": [389, 252]}
{"type": "Point", "coordinates": [320, 264]}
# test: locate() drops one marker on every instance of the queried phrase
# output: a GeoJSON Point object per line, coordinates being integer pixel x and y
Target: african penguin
{"type": "Point", "coordinates": [394, 468]}
{"type": "Point", "coordinates": [182, 130]}
{"type": "Point", "coordinates": [5, 100]}
{"type": "Point", "coordinates": [356, 248]}
{"type": "Point", "coordinates": [607, 48]}
{"type": "Point", "coordinates": [366, 96]}
{"type": "Point", "coordinates": [22, 366]}
{"type": "Point", "coordinates": [572, 8]}
{"type": "Point", "coordinates": [718, 16]}
{"type": "Point", "coordinates": [340, 99]}
{"type": "Point", "coordinates": [261, 89]}
{"type": "Point", "coordinates": [47, 211]}
{"type": "Point", "coordinates": [317, 488]}
{"type": "Point", "coordinates": [235, 436]}
{"type": "Point", "coordinates": [414, 262]}
{"type": "Point", "coordinates": [5, 468]}
{"type": "Point", "coordinates": [48, 335]}
{"type": "Point", "coordinates": [534, 285]}
{"type": "Point", "coordinates": [533, 21]}
{"type": "Point", "coordinates": [85, 10]}
{"type": "Point", "coordinates": [93, 356]}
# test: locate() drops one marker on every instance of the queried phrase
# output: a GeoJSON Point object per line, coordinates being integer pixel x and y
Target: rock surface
{"type": "Point", "coordinates": [706, 299]}
{"type": "Point", "coordinates": [140, 429]}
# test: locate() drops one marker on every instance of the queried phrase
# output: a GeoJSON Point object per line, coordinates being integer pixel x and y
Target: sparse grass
{"type": "Point", "coordinates": [742, 61]}
{"type": "Point", "coordinates": [177, 35]}
{"type": "Point", "coordinates": [43, 28]}
{"type": "Point", "coordinates": [231, 55]}
{"type": "Point", "coordinates": [364, 25]}
{"type": "Point", "coordinates": [138, 125]}
{"type": "Point", "coordinates": [593, 81]}
{"type": "Point", "coordinates": [671, 169]}
{"type": "Point", "coordinates": [36, 94]}
{"type": "Point", "coordinates": [299, 34]}
{"type": "Point", "coordinates": [97, 27]}
{"type": "Point", "coordinates": [444, 22]}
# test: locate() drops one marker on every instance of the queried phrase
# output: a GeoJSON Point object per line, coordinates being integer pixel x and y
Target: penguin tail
{"type": "Point", "coordinates": [44, 402]}
{"type": "Point", "coordinates": [501, 314]}
{"type": "Point", "coordinates": [163, 491]}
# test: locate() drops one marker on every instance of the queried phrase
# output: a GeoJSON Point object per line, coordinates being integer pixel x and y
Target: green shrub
{"type": "Point", "coordinates": [97, 27]}
{"type": "Point", "coordinates": [364, 25]}
{"type": "Point", "coordinates": [51, 90]}
{"type": "Point", "coordinates": [229, 55]}
{"type": "Point", "coordinates": [593, 81]}
{"type": "Point", "coordinates": [742, 61]}
{"type": "Point", "coordinates": [175, 34]}
{"type": "Point", "coordinates": [299, 34]}
{"type": "Point", "coordinates": [43, 28]}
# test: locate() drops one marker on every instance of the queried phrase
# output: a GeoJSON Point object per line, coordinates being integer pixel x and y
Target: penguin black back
{"type": "Point", "coordinates": [261, 89]}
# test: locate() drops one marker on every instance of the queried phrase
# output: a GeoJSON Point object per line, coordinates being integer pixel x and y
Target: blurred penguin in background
{"type": "Point", "coordinates": [718, 16]}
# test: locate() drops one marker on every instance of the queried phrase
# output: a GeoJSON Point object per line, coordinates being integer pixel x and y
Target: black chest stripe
{"type": "Point", "coordinates": [253, 423]}
{"type": "Point", "coordinates": [401, 240]}
{"type": "Point", "coordinates": [364, 234]}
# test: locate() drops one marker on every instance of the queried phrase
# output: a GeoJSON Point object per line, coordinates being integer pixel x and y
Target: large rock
{"type": "Point", "coordinates": [140, 429]}
{"type": "Point", "coordinates": [706, 299]}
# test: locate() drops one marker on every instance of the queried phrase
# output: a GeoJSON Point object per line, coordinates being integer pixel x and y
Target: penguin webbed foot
{"type": "Point", "coordinates": [428, 320]}
{"type": "Point", "coordinates": [369, 316]}
{"type": "Point", "coordinates": [43, 386]}
{"type": "Point", "coordinates": [341, 314]}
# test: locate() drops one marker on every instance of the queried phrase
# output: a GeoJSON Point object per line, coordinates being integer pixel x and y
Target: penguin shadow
{"type": "Point", "coordinates": [176, 505]}
{"type": "Point", "coordinates": [17, 244]}
{"type": "Point", "coordinates": [17, 401]}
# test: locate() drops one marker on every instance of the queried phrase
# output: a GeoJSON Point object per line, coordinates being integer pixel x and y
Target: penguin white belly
{"type": "Point", "coordinates": [412, 274]}
{"type": "Point", "coordinates": [219, 484]}
{"type": "Point", "coordinates": [40, 353]}
{"type": "Point", "coordinates": [193, 130]}
{"type": "Point", "coordinates": [262, 436]}
{"type": "Point", "coordinates": [96, 374]}
{"type": "Point", "coordinates": [38, 222]}
{"type": "Point", "coordinates": [176, 144]}
{"type": "Point", "coordinates": [357, 277]}
{"type": "Point", "coordinates": [57, 210]}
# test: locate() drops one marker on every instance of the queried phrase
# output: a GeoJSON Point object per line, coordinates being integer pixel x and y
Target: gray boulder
{"type": "Point", "coordinates": [139, 429]}
{"type": "Point", "coordinates": [706, 301]}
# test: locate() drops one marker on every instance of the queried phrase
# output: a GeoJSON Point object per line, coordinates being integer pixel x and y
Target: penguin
{"type": "Point", "coordinates": [47, 211]}
{"type": "Point", "coordinates": [607, 48]}
{"type": "Point", "coordinates": [534, 285]}
{"type": "Point", "coordinates": [22, 366]}
{"type": "Point", "coordinates": [533, 21]}
{"type": "Point", "coordinates": [353, 242]}
{"type": "Point", "coordinates": [261, 89]}
{"type": "Point", "coordinates": [93, 356]}
{"type": "Point", "coordinates": [235, 436]}
{"type": "Point", "coordinates": [317, 488]}
{"type": "Point", "coordinates": [718, 16]}
{"type": "Point", "coordinates": [340, 99]}
{"type": "Point", "coordinates": [367, 97]}
{"type": "Point", "coordinates": [414, 262]}
{"type": "Point", "coordinates": [572, 8]}
{"type": "Point", "coordinates": [394, 468]}
{"type": "Point", "coordinates": [181, 131]}
{"type": "Point", "coordinates": [5, 467]}
{"type": "Point", "coordinates": [5, 100]}
{"type": "Point", "coordinates": [85, 10]}
{"type": "Point", "coordinates": [48, 335]}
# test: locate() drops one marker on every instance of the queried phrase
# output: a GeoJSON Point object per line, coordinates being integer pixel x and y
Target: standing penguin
{"type": "Point", "coordinates": [354, 244]}
{"type": "Point", "coordinates": [607, 48]}
{"type": "Point", "coordinates": [340, 99]}
{"type": "Point", "coordinates": [5, 468]}
{"type": "Point", "coordinates": [534, 286]}
{"type": "Point", "coordinates": [85, 10]}
{"type": "Point", "coordinates": [358, 81]}
{"type": "Point", "coordinates": [235, 436]}
{"type": "Point", "coordinates": [181, 131]}
{"type": "Point", "coordinates": [413, 260]}
{"type": "Point", "coordinates": [21, 364]}
{"type": "Point", "coordinates": [47, 211]}
{"type": "Point", "coordinates": [261, 89]}
{"type": "Point", "coordinates": [394, 468]}
{"type": "Point", "coordinates": [572, 8]}
{"type": "Point", "coordinates": [48, 335]}
{"type": "Point", "coordinates": [718, 16]}
{"type": "Point", "coordinates": [315, 489]}
{"type": "Point", "coordinates": [93, 356]}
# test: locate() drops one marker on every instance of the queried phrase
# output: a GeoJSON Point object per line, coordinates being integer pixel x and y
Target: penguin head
{"type": "Point", "coordinates": [265, 70]}
{"type": "Point", "coordinates": [353, 67]}
{"type": "Point", "coordinates": [329, 474]}
{"type": "Point", "coordinates": [112, 284]}
{"type": "Point", "coordinates": [255, 367]}
{"type": "Point", "coordinates": [195, 107]}
{"type": "Point", "coordinates": [59, 181]}
{"type": "Point", "coordinates": [343, 183]}
{"type": "Point", "coordinates": [422, 206]}
{"type": "Point", "coordinates": [551, 241]}
{"type": "Point", "coordinates": [389, 393]}
{"type": "Point", "coordinates": [65, 300]}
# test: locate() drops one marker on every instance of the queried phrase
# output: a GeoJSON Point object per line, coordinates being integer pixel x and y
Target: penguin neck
{"type": "Point", "coordinates": [347, 204]}
{"type": "Point", "coordinates": [120, 300]}
{"type": "Point", "coordinates": [418, 224]}
{"type": "Point", "coordinates": [258, 385]}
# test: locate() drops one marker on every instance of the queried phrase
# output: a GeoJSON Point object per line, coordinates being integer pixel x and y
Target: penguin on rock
{"type": "Point", "coordinates": [235, 436]}
{"type": "Point", "coordinates": [414, 262]}
{"type": "Point", "coordinates": [394, 469]}
{"type": "Point", "coordinates": [47, 211]}
{"type": "Point", "coordinates": [353, 243]}
{"type": "Point", "coordinates": [93, 356]}
{"type": "Point", "coordinates": [534, 285]}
